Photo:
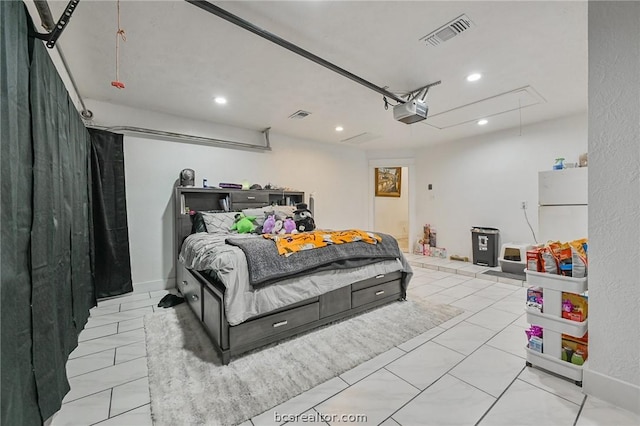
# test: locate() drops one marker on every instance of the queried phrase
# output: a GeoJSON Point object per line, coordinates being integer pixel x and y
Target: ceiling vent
{"type": "Point", "coordinates": [299, 115]}
{"type": "Point", "coordinates": [448, 31]}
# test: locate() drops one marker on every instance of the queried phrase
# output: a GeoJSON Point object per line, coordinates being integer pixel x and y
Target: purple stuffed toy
{"type": "Point", "coordinates": [269, 224]}
{"type": "Point", "coordinates": [290, 226]}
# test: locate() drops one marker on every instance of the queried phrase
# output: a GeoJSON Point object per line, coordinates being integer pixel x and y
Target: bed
{"type": "Point", "coordinates": [246, 295]}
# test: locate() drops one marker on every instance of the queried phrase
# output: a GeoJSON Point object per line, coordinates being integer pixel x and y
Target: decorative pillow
{"type": "Point", "coordinates": [218, 223]}
{"type": "Point", "coordinates": [197, 223]}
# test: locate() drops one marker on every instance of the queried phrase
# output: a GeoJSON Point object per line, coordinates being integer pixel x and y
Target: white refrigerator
{"type": "Point", "coordinates": [562, 204]}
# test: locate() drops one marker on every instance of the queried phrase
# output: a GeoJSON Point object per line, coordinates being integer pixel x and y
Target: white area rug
{"type": "Point", "coordinates": [189, 386]}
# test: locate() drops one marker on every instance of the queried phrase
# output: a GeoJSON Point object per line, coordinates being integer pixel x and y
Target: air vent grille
{"type": "Point", "coordinates": [448, 31]}
{"type": "Point", "coordinates": [299, 115]}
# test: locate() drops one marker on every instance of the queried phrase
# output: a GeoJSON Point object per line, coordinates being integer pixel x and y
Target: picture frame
{"type": "Point", "coordinates": [388, 181]}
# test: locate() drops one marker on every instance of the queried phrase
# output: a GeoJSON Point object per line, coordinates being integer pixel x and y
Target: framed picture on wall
{"type": "Point", "coordinates": [388, 180]}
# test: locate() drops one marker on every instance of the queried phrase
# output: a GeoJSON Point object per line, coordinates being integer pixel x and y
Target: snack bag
{"type": "Point", "coordinates": [579, 257]}
{"type": "Point", "coordinates": [562, 253]}
{"type": "Point", "coordinates": [580, 246]}
{"type": "Point", "coordinates": [534, 260]}
{"type": "Point", "coordinates": [548, 260]}
{"type": "Point", "coordinates": [579, 264]}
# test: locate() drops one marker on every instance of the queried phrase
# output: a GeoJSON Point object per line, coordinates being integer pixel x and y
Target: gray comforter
{"type": "Point", "coordinates": [266, 266]}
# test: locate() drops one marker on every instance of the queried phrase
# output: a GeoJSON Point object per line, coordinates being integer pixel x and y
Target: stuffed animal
{"type": "Point", "coordinates": [243, 224]}
{"type": "Point", "coordinates": [278, 227]}
{"type": "Point", "coordinates": [303, 218]}
{"type": "Point", "coordinates": [289, 226]}
{"type": "Point", "coordinates": [269, 223]}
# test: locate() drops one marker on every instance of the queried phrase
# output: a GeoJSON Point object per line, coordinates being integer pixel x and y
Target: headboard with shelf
{"type": "Point", "coordinates": [210, 199]}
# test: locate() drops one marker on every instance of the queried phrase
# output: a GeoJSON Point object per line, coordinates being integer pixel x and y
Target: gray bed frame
{"type": "Point", "coordinates": [206, 296]}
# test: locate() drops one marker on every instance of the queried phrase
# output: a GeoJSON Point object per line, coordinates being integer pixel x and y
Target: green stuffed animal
{"type": "Point", "coordinates": [243, 224]}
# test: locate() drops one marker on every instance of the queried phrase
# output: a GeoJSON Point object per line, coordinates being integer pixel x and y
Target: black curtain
{"type": "Point", "coordinates": [109, 205]}
{"type": "Point", "coordinates": [19, 395]}
{"type": "Point", "coordinates": [47, 282]}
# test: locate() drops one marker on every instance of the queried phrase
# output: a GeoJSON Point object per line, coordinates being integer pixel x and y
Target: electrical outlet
{"type": "Point", "coordinates": [523, 205]}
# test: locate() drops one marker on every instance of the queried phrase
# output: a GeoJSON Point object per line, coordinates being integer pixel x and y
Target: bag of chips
{"type": "Point", "coordinates": [579, 258]}
{"type": "Point", "coordinates": [548, 261]}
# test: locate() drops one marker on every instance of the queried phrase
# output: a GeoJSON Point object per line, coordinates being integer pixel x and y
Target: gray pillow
{"type": "Point", "coordinates": [218, 223]}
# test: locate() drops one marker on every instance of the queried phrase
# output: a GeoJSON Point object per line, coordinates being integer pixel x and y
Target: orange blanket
{"type": "Point", "coordinates": [288, 244]}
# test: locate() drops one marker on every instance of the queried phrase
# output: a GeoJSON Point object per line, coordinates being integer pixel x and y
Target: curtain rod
{"type": "Point", "coordinates": [222, 143]}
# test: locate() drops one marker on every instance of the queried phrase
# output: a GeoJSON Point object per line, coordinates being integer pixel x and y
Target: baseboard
{"type": "Point", "coordinates": [148, 286]}
{"type": "Point", "coordinates": [623, 394]}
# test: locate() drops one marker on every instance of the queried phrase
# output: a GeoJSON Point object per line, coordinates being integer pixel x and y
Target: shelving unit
{"type": "Point", "coordinates": [209, 199]}
{"type": "Point", "coordinates": [553, 324]}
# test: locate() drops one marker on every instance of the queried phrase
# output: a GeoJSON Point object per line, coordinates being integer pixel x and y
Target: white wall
{"type": "Point", "coordinates": [392, 213]}
{"type": "Point", "coordinates": [481, 181]}
{"type": "Point", "coordinates": [613, 369]}
{"type": "Point", "coordinates": [337, 175]}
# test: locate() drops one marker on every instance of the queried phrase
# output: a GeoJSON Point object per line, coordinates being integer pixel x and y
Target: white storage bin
{"type": "Point", "coordinates": [513, 257]}
{"type": "Point", "coordinates": [553, 324]}
{"type": "Point", "coordinates": [556, 282]}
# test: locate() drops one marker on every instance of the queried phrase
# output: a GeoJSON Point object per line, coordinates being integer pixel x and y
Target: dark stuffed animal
{"type": "Point", "coordinates": [303, 218]}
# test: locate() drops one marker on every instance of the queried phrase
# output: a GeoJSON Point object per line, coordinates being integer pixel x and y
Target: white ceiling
{"type": "Point", "coordinates": [177, 58]}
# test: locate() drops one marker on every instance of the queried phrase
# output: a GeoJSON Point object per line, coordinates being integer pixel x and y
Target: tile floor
{"type": "Point", "coordinates": [467, 371]}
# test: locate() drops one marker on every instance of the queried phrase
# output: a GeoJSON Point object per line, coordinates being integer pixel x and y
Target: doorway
{"type": "Point", "coordinates": [391, 212]}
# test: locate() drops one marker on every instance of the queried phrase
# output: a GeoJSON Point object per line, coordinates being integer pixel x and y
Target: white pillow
{"type": "Point", "coordinates": [258, 213]}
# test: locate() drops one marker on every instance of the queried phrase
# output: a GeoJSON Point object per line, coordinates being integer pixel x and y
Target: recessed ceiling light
{"type": "Point", "coordinates": [474, 77]}
{"type": "Point", "coordinates": [220, 100]}
{"type": "Point", "coordinates": [482, 122]}
{"type": "Point", "coordinates": [339, 129]}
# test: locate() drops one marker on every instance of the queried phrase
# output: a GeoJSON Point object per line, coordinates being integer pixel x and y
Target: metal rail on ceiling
{"type": "Point", "coordinates": [47, 19]}
{"type": "Point", "coordinates": [215, 10]}
{"type": "Point", "coordinates": [192, 138]}
{"type": "Point", "coordinates": [47, 23]}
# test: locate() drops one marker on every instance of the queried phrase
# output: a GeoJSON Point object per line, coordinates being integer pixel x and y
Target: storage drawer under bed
{"type": "Point", "coordinates": [377, 280]}
{"type": "Point", "coordinates": [191, 289]}
{"type": "Point", "coordinates": [272, 324]}
{"type": "Point", "coordinates": [374, 293]}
